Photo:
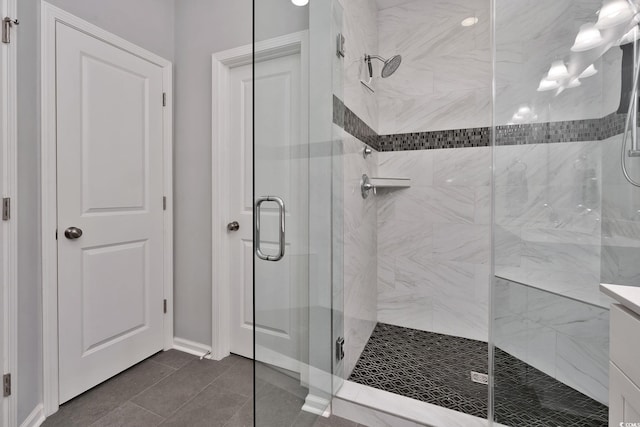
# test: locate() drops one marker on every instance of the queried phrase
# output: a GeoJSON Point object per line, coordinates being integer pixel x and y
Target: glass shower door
{"type": "Point", "coordinates": [292, 190]}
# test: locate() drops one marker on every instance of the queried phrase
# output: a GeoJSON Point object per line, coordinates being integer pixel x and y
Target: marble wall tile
{"type": "Point", "coordinates": [360, 30]}
{"type": "Point", "coordinates": [360, 235]}
{"type": "Point", "coordinates": [434, 242]}
{"type": "Point", "coordinates": [462, 242]}
{"type": "Point", "coordinates": [445, 77]}
{"type": "Point", "coordinates": [565, 338]}
{"type": "Point", "coordinates": [584, 365]}
{"type": "Point", "coordinates": [469, 166]}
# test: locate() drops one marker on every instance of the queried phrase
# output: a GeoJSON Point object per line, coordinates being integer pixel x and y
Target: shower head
{"type": "Point", "coordinates": [390, 66]}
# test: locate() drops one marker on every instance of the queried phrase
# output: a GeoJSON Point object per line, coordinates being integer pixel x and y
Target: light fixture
{"type": "Point", "coordinates": [546, 84]}
{"type": "Point", "coordinates": [524, 110]}
{"type": "Point", "coordinates": [300, 2]}
{"type": "Point", "coordinates": [590, 71]}
{"type": "Point", "coordinates": [470, 21]}
{"type": "Point", "coordinates": [630, 37]}
{"type": "Point", "coordinates": [588, 37]}
{"type": "Point", "coordinates": [614, 12]}
{"type": "Point", "coordinates": [574, 83]}
{"type": "Point", "coordinates": [558, 71]}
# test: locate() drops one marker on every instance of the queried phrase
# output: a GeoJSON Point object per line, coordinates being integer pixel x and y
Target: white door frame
{"type": "Point", "coordinates": [50, 15]}
{"type": "Point", "coordinates": [9, 188]}
{"type": "Point", "coordinates": [222, 63]}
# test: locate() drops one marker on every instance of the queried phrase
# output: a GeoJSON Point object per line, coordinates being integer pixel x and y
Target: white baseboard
{"type": "Point", "coordinates": [35, 418]}
{"type": "Point", "coordinates": [192, 347]}
{"type": "Point", "coordinates": [316, 405]}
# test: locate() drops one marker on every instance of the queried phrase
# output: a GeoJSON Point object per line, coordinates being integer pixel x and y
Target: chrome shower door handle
{"type": "Point", "coordinates": [281, 231]}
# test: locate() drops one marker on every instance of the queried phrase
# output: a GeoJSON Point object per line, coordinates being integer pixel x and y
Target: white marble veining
{"type": "Point", "coordinates": [562, 337]}
{"type": "Point", "coordinates": [548, 214]}
{"type": "Point", "coordinates": [434, 242]}
{"type": "Point", "coordinates": [620, 218]}
{"type": "Point", "coordinates": [445, 78]}
{"type": "Point", "coordinates": [360, 236]}
{"type": "Point", "coordinates": [528, 38]}
{"type": "Point", "coordinates": [360, 29]}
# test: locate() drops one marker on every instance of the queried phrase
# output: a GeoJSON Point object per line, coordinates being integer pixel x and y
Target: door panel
{"type": "Point", "coordinates": [281, 122]}
{"type": "Point", "coordinates": [110, 185]}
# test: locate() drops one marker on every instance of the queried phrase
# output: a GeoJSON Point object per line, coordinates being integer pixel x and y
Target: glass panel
{"type": "Point", "coordinates": [564, 214]}
{"type": "Point", "coordinates": [293, 161]}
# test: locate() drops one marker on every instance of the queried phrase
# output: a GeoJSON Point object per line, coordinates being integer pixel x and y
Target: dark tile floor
{"type": "Point", "coordinates": [437, 369]}
{"type": "Point", "coordinates": [177, 389]}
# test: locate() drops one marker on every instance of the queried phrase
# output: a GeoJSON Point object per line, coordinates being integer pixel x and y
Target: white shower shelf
{"type": "Point", "coordinates": [382, 183]}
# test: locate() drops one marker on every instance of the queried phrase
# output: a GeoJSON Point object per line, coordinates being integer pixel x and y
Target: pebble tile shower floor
{"type": "Point", "coordinates": [436, 368]}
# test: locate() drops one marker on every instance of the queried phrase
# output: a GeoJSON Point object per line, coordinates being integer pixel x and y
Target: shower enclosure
{"type": "Point", "coordinates": [450, 211]}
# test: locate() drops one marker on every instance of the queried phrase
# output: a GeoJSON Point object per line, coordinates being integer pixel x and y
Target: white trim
{"type": "Point", "coordinates": [192, 347]}
{"type": "Point", "coordinates": [222, 63]}
{"type": "Point", "coordinates": [35, 418]}
{"type": "Point", "coordinates": [9, 188]}
{"type": "Point", "coordinates": [316, 405]}
{"type": "Point", "coordinates": [50, 15]}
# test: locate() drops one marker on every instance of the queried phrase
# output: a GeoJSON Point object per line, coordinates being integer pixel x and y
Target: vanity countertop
{"type": "Point", "coordinates": [628, 296]}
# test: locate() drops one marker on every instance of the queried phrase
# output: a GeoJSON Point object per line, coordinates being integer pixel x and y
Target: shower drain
{"type": "Point", "coordinates": [479, 378]}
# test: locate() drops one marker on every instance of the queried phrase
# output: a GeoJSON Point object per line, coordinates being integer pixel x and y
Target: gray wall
{"type": "Point", "coordinates": [130, 20]}
{"type": "Point", "coordinates": [204, 27]}
{"type": "Point", "coordinates": [147, 23]}
{"type": "Point", "coordinates": [29, 376]}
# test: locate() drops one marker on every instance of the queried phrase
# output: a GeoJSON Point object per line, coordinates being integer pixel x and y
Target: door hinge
{"type": "Point", "coordinates": [6, 385]}
{"type": "Point", "coordinates": [164, 203]}
{"type": "Point", "coordinates": [164, 99]}
{"type": "Point", "coordinates": [6, 209]}
{"type": "Point", "coordinates": [339, 349]}
{"type": "Point", "coordinates": [164, 306]}
{"type": "Point", "coordinates": [7, 23]}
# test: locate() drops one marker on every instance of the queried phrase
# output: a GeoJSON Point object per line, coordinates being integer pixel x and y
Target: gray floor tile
{"type": "Point", "coordinates": [289, 381]}
{"type": "Point", "coordinates": [334, 422]}
{"type": "Point", "coordinates": [212, 407]}
{"type": "Point", "coordinates": [174, 358]}
{"type": "Point", "coordinates": [277, 407]}
{"type": "Point", "coordinates": [244, 417]}
{"type": "Point", "coordinates": [138, 378]}
{"type": "Point", "coordinates": [171, 393]}
{"type": "Point", "coordinates": [238, 379]}
{"type": "Point", "coordinates": [129, 415]}
{"type": "Point", "coordinates": [97, 402]}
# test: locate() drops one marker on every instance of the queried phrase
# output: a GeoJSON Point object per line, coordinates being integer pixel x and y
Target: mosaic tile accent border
{"type": "Point", "coordinates": [354, 125]}
{"type": "Point", "coordinates": [535, 133]}
{"type": "Point", "coordinates": [436, 368]}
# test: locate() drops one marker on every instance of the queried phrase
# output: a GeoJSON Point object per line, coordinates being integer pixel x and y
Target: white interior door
{"type": "Point", "coordinates": [110, 186]}
{"type": "Point", "coordinates": [282, 166]}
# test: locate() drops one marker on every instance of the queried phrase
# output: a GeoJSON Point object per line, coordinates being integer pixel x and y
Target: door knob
{"type": "Point", "coordinates": [72, 233]}
{"type": "Point", "coordinates": [233, 226]}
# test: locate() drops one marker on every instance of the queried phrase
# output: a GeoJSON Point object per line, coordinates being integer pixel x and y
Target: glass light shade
{"type": "Point", "coordinates": [468, 22]}
{"type": "Point", "coordinates": [558, 71]}
{"type": "Point", "coordinates": [300, 2]}
{"type": "Point", "coordinates": [546, 84]}
{"type": "Point", "coordinates": [588, 37]}
{"type": "Point", "coordinates": [574, 83]}
{"type": "Point", "coordinates": [524, 110]}
{"type": "Point", "coordinates": [614, 12]}
{"type": "Point", "coordinates": [630, 37]}
{"type": "Point", "coordinates": [590, 71]}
